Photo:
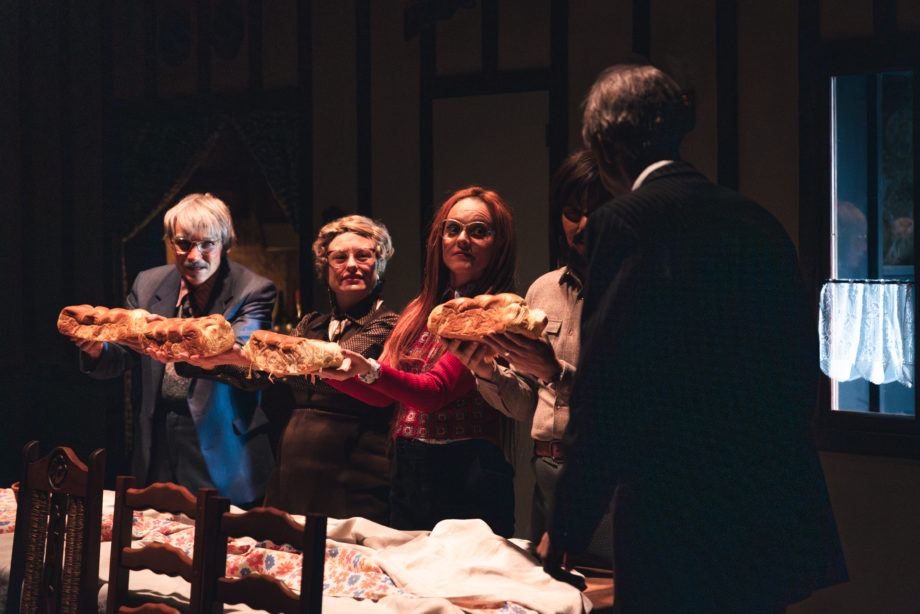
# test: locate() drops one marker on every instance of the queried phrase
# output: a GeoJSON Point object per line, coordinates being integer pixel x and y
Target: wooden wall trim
{"type": "Point", "coordinates": [427, 64]}
{"type": "Point", "coordinates": [489, 36]}
{"type": "Point", "coordinates": [150, 50]}
{"type": "Point", "coordinates": [642, 28]}
{"type": "Point", "coordinates": [558, 129]}
{"type": "Point", "coordinates": [107, 96]}
{"type": "Point", "coordinates": [499, 82]}
{"type": "Point", "coordinates": [254, 38]}
{"type": "Point", "coordinates": [884, 18]}
{"type": "Point", "coordinates": [814, 258]}
{"type": "Point", "coordinates": [203, 21]}
{"type": "Point", "coordinates": [66, 156]}
{"type": "Point", "coordinates": [363, 110]}
{"type": "Point", "coordinates": [727, 142]}
{"type": "Point", "coordinates": [26, 164]}
{"type": "Point", "coordinates": [305, 88]}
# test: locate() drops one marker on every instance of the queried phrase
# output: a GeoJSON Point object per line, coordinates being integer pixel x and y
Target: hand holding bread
{"type": "Point", "coordinates": [500, 324]}
{"type": "Point", "coordinates": [281, 355]}
{"type": "Point", "coordinates": [164, 338]}
{"type": "Point", "coordinates": [471, 319]}
{"type": "Point", "coordinates": [176, 338]}
{"type": "Point", "coordinates": [101, 323]}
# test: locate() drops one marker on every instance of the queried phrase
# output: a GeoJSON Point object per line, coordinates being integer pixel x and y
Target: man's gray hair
{"type": "Point", "coordinates": [637, 109]}
{"type": "Point", "coordinates": [203, 214]}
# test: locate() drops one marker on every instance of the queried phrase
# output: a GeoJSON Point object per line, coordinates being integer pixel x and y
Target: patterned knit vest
{"type": "Point", "coordinates": [466, 417]}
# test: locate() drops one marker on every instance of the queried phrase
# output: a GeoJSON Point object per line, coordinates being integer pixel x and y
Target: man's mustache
{"type": "Point", "coordinates": [198, 264]}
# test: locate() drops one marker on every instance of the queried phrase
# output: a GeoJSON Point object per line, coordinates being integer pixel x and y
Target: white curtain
{"type": "Point", "coordinates": [867, 331]}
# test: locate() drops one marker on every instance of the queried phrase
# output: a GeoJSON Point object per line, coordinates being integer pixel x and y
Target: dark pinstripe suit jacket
{"type": "Point", "coordinates": [694, 396]}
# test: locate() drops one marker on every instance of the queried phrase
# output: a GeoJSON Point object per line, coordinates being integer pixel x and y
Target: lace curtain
{"type": "Point", "coordinates": [867, 331]}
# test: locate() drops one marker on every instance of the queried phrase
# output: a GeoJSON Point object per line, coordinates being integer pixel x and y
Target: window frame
{"type": "Point", "coordinates": [874, 434]}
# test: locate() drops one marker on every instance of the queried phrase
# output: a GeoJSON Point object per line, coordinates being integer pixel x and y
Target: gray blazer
{"type": "Point", "coordinates": [237, 451]}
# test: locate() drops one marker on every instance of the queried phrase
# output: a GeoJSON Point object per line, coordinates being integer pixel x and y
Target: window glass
{"type": "Point", "coordinates": [872, 212]}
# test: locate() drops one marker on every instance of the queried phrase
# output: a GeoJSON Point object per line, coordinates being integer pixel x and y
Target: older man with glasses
{"type": "Point", "coordinates": [190, 431]}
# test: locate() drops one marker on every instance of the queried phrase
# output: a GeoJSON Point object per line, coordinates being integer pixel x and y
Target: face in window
{"type": "Point", "coordinates": [467, 241]}
{"type": "Point", "coordinates": [198, 255]}
{"type": "Point", "coordinates": [352, 268]}
{"type": "Point", "coordinates": [852, 247]}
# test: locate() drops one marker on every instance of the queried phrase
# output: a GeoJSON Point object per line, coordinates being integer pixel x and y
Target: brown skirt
{"type": "Point", "coordinates": [334, 464]}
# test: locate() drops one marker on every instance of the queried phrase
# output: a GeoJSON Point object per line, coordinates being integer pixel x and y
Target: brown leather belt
{"type": "Point", "coordinates": [551, 449]}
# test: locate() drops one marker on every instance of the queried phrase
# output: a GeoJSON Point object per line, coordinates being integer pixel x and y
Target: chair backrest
{"type": "Point", "coordinates": [149, 608]}
{"type": "Point", "coordinates": [256, 590]}
{"type": "Point", "coordinates": [55, 561]}
{"type": "Point", "coordinates": [158, 557]}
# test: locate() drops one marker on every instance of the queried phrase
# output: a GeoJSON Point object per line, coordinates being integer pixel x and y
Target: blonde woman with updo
{"type": "Point", "coordinates": [332, 457]}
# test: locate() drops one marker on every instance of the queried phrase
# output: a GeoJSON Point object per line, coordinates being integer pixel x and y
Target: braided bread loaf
{"type": "Point", "coordinates": [472, 318]}
{"type": "Point", "coordinates": [286, 355]}
{"type": "Point", "coordinates": [102, 323]}
{"type": "Point", "coordinates": [205, 336]}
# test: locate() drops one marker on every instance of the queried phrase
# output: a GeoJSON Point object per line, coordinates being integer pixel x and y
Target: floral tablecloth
{"type": "Point", "coordinates": [357, 555]}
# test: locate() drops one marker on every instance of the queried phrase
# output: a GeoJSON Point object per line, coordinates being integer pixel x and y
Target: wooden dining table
{"type": "Point", "coordinates": [458, 567]}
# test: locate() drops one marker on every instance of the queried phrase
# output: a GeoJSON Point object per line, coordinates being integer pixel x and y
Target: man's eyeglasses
{"type": "Point", "coordinates": [205, 246]}
{"type": "Point", "coordinates": [339, 259]}
{"type": "Point", "coordinates": [477, 231]}
{"type": "Point", "coordinates": [574, 213]}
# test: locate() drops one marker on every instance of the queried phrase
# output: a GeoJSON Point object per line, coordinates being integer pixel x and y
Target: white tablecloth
{"type": "Point", "coordinates": [460, 566]}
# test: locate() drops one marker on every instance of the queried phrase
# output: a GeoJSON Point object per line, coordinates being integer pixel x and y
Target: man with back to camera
{"type": "Point", "coordinates": [696, 380]}
{"type": "Point", "coordinates": [195, 432]}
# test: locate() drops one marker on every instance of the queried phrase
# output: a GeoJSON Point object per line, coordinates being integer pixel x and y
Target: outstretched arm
{"type": "Point", "coordinates": [429, 391]}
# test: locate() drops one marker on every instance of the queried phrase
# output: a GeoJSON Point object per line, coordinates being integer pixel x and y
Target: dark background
{"type": "Point", "coordinates": [296, 110]}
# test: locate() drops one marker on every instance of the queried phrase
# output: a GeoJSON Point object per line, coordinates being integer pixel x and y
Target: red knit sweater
{"type": "Point", "coordinates": [438, 398]}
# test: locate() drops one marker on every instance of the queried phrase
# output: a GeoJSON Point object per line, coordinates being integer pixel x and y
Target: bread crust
{"type": "Point", "coordinates": [281, 355]}
{"type": "Point", "coordinates": [206, 336]}
{"type": "Point", "coordinates": [471, 319]}
{"type": "Point", "coordinates": [102, 323]}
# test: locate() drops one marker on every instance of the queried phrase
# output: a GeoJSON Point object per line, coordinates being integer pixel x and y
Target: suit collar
{"type": "Point", "coordinates": [222, 293]}
{"type": "Point", "coordinates": [651, 168]}
{"type": "Point", "coordinates": [166, 295]}
{"type": "Point", "coordinates": [677, 167]}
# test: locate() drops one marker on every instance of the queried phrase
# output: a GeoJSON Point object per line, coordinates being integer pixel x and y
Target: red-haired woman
{"type": "Point", "coordinates": [448, 460]}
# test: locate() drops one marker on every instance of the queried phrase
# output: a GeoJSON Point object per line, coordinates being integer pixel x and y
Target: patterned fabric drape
{"type": "Point", "coordinates": [156, 157]}
{"type": "Point", "coordinates": [159, 154]}
{"type": "Point", "coordinates": [274, 140]}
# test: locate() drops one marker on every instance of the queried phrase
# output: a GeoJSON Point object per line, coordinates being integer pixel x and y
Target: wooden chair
{"type": "Point", "coordinates": [599, 588]}
{"type": "Point", "coordinates": [149, 608]}
{"type": "Point", "coordinates": [55, 561]}
{"type": "Point", "coordinates": [260, 591]}
{"type": "Point", "coordinates": [157, 557]}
